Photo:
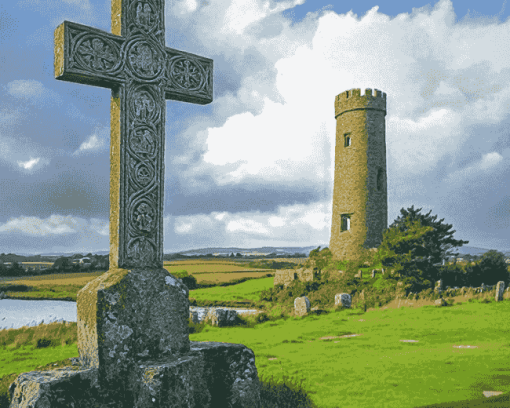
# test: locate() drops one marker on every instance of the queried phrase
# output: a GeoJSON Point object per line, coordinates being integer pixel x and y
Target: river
{"type": "Point", "coordinates": [16, 313]}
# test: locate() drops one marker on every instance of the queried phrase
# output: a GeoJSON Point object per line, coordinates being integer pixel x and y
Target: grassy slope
{"type": "Point", "coordinates": [386, 372]}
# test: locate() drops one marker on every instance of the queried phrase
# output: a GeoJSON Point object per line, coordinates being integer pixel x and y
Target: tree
{"type": "Point", "coordinates": [439, 243]}
{"type": "Point", "coordinates": [491, 269]}
{"type": "Point", "coordinates": [320, 259]}
{"type": "Point", "coordinates": [413, 243]}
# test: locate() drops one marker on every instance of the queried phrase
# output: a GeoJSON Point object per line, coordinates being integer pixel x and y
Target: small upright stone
{"type": "Point", "coordinates": [500, 288]}
{"type": "Point", "coordinates": [440, 302]}
{"type": "Point", "coordinates": [301, 306]}
{"type": "Point", "coordinates": [373, 273]}
{"type": "Point", "coordinates": [193, 316]}
{"type": "Point", "coordinates": [343, 299]}
{"type": "Point", "coordinates": [221, 317]}
{"type": "Point", "coordinates": [439, 286]}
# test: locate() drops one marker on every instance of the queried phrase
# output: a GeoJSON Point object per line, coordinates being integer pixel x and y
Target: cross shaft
{"type": "Point", "coordinates": [142, 73]}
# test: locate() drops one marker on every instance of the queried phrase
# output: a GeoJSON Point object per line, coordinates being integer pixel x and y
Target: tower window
{"type": "Point", "coordinates": [347, 140]}
{"type": "Point", "coordinates": [346, 222]}
{"type": "Point", "coordinates": [379, 180]}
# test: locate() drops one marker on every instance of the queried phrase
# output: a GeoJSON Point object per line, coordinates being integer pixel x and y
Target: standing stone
{"type": "Point", "coordinates": [193, 315]}
{"type": "Point", "coordinates": [500, 287]}
{"type": "Point", "coordinates": [301, 306]}
{"type": "Point", "coordinates": [439, 285]}
{"type": "Point", "coordinates": [440, 302]}
{"type": "Point", "coordinates": [221, 317]}
{"type": "Point", "coordinates": [382, 271]}
{"type": "Point", "coordinates": [343, 299]}
{"type": "Point", "coordinates": [133, 337]}
{"type": "Point", "coordinates": [373, 273]}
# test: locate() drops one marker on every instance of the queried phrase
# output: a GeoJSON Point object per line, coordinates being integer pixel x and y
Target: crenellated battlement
{"type": "Point", "coordinates": [353, 100]}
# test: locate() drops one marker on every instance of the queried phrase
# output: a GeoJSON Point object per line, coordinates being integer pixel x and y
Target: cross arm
{"type": "Point", "coordinates": [87, 55]}
{"type": "Point", "coordinates": [189, 77]}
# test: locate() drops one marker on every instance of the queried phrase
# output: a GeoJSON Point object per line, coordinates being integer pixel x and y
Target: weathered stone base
{"type": "Point", "coordinates": [211, 375]}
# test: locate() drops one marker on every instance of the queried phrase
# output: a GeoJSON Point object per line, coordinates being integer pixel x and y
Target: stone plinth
{"type": "Point", "coordinates": [126, 315]}
{"type": "Point", "coordinates": [135, 352]}
{"type": "Point", "coordinates": [500, 288]}
{"type": "Point", "coordinates": [210, 375]}
{"type": "Point", "coordinates": [343, 299]}
{"type": "Point", "coordinates": [301, 306]}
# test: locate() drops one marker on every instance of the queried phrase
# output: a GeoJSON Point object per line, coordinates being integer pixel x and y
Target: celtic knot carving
{"type": "Point", "coordinates": [186, 74]}
{"type": "Point", "coordinates": [144, 15]}
{"type": "Point", "coordinates": [143, 142]}
{"type": "Point", "coordinates": [144, 106]}
{"type": "Point", "coordinates": [145, 60]}
{"type": "Point", "coordinates": [144, 217]}
{"type": "Point", "coordinates": [96, 54]}
{"type": "Point", "coordinates": [143, 174]}
{"type": "Point", "coordinates": [141, 251]}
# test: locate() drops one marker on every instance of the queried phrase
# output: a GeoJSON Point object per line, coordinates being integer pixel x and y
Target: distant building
{"type": "Point", "coordinates": [36, 266]}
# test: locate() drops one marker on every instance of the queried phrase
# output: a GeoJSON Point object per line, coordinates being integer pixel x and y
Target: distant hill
{"type": "Point", "coordinates": [227, 251]}
{"type": "Point", "coordinates": [247, 251]}
{"type": "Point", "coordinates": [463, 250]}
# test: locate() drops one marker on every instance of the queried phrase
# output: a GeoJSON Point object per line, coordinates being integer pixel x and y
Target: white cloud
{"type": "Point", "coordinates": [100, 226]}
{"type": "Point", "coordinates": [33, 91]}
{"type": "Point", "coordinates": [247, 225]}
{"type": "Point", "coordinates": [95, 142]}
{"type": "Point", "coordinates": [441, 78]}
{"type": "Point", "coordinates": [29, 164]}
{"type": "Point", "coordinates": [485, 165]}
{"type": "Point", "coordinates": [183, 228]}
{"type": "Point", "coordinates": [53, 225]}
{"type": "Point", "coordinates": [298, 225]}
{"type": "Point", "coordinates": [22, 154]}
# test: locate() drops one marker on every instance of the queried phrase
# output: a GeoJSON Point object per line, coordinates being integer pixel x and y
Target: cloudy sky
{"type": "Point", "coordinates": [255, 167]}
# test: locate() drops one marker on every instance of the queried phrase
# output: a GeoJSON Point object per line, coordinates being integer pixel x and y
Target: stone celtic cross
{"type": "Point", "coordinates": [142, 73]}
{"type": "Point", "coordinates": [133, 335]}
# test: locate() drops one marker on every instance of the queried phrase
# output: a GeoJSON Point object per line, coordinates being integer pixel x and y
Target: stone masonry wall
{"type": "Point", "coordinates": [356, 170]}
{"type": "Point", "coordinates": [286, 276]}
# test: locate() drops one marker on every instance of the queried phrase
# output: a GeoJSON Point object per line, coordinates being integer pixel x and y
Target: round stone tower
{"type": "Point", "coordinates": [360, 197]}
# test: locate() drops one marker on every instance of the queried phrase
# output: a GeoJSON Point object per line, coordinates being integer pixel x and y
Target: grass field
{"type": "Point", "coordinates": [362, 360]}
{"type": "Point", "coordinates": [341, 358]}
{"type": "Point", "coordinates": [246, 291]}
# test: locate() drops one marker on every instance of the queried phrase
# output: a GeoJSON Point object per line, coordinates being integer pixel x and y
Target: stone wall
{"type": "Point", "coordinates": [286, 276]}
{"type": "Point", "coordinates": [360, 185]}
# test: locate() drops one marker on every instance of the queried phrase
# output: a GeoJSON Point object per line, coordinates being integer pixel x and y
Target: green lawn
{"type": "Point", "coordinates": [376, 369]}
{"type": "Point", "coordinates": [249, 290]}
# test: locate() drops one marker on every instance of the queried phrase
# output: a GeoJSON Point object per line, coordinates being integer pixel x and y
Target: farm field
{"type": "Point", "coordinates": [59, 287]}
{"type": "Point", "coordinates": [245, 291]}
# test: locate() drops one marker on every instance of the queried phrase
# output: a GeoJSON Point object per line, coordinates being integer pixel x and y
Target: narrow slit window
{"type": "Point", "coordinates": [380, 180]}
{"type": "Point", "coordinates": [347, 140]}
{"type": "Point", "coordinates": [346, 222]}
